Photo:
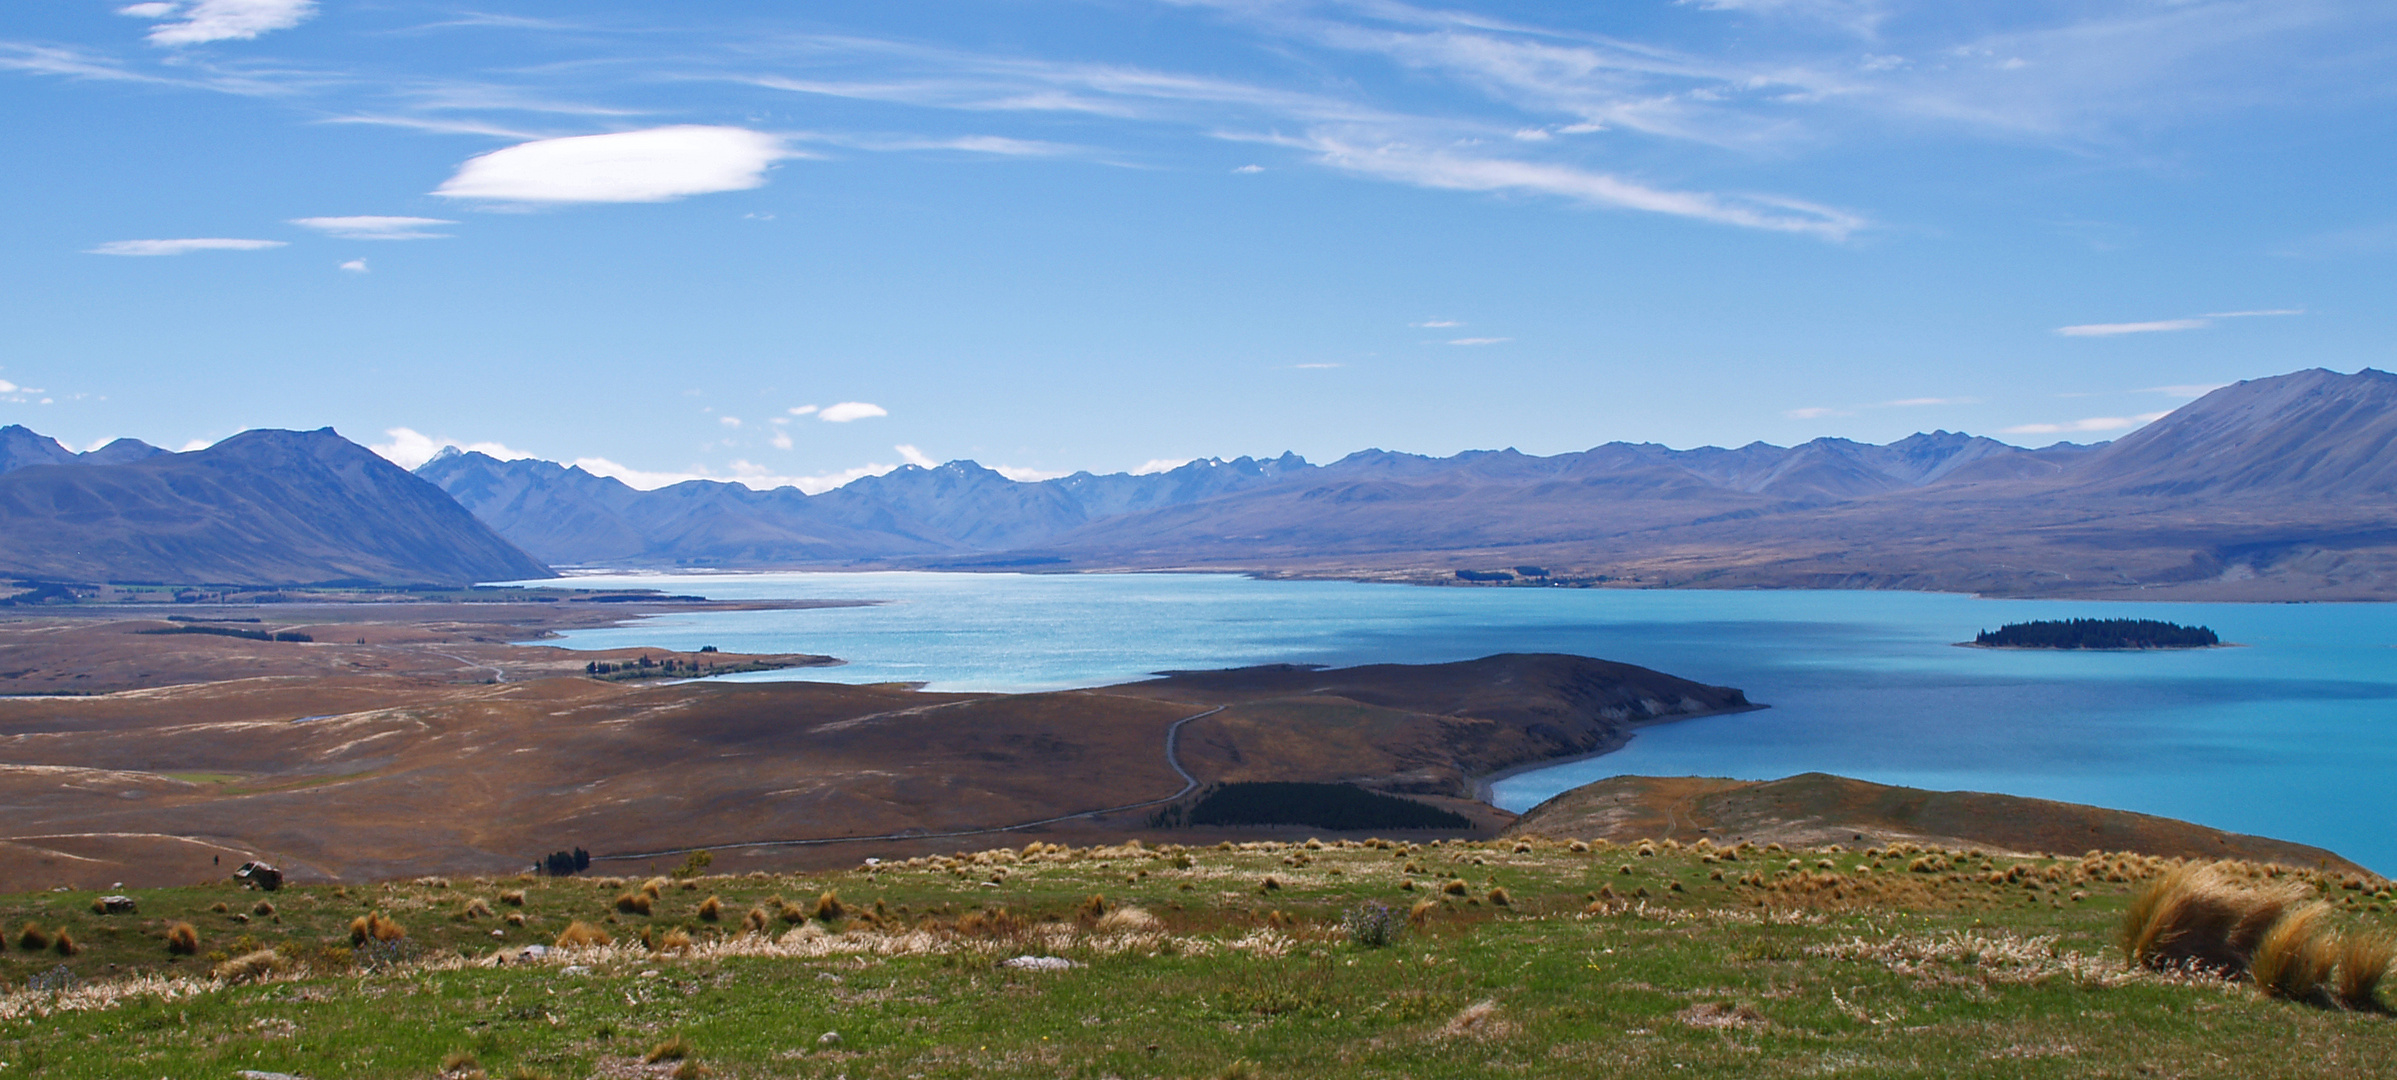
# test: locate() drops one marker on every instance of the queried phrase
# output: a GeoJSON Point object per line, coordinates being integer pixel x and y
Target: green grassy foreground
{"type": "Point", "coordinates": [1540, 960]}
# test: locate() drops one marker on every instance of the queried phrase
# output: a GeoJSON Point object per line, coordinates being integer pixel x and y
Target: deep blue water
{"type": "Point", "coordinates": [2292, 735]}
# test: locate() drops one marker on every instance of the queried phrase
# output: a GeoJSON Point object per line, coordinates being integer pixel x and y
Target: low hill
{"type": "Point", "coordinates": [260, 508]}
{"type": "Point", "coordinates": [1815, 809]}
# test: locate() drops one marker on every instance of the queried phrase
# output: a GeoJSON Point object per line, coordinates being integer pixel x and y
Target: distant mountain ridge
{"type": "Point", "coordinates": [260, 508]}
{"type": "Point", "coordinates": [569, 516]}
{"type": "Point", "coordinates": [20, 446]}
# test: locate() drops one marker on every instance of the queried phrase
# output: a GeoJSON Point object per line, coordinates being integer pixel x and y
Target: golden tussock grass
{"type": "Point", "coordinates": [1499, 897]}
{"type": "Point", "coordinates": [263, 909]}
{"type": "Point", "coordinates": [2364, 963]}
{"type": "Point", "coordinates": [654, 886]}
{"type": "Point", "coordinates": [372, 926]}
{"type": "Point", "coordinates": [634, 903]}
{"type": "Point", "coordinates": [711, 909]}
{"type": "Point", "coordinates": [581, 935]}
{"type": "Point", "coordinates": [1455, 887]}
{"type": "Point", "coordinates": [2195, 916]}
{"type": "Point", "coordinates": [516, 918]}
{"type": "Point", "coordinates": [1128, 920]}
{"type": "Point", "coordinates": [829, 907]}
{"type": "Point", "coordinates": [1090, 910]}
{"type": "Point", "coordinates": [65, 943]}
{"type": "Point", "coordinates": [673, 941]}
{"type": "Point", "coordinates": [757, 921]}
{"type": "Point", "coordinates": [476, 908]}
{"type": "Point", "coordinates": [512, 898]}
{"type": "Point", "coordinates": [461, 1065]}
{"type": "Point", "coordinates": [995, 922]}
{"type": "Point", "coordinates": [2296, 955]}
{"type": "Point", "coordinates": [183, 939]}
{"type": "Point", "coordinates": [251, 967]}
{"type": "Point", "coordinates": [674, 1049]}
{"type": "Point", "coordinates": [1422, 913]}
{"type": "Point", "coordinates": [32, 938]}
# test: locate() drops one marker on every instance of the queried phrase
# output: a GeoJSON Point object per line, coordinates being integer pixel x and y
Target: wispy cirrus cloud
{"type": "Point", "coordinates": [201, 21]}
{"type": "Point", "coordinates": [2166, 326]}
{"type": "Point", "coordinates": [375, 227]}
{"type": "Point", "coordinates": [181, 247]}
{"type": "Point", "coordinates": [1480, 340]}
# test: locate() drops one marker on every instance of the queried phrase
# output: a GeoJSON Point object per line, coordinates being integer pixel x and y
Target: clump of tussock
{"type": "Point", "coordinates": [476, 908]}
{"type": "Point", "coordinates": [654, 886]}
{"type": "Point", "coordinates": [2365, 960]}
{"type": "Point", "coordinates": [635, 903]}
{"type": "Point", "coordinates": [1091, 910]}
{"type": "Point", "coordinates": [674, 1049]}
{"type": "Point", "coordinates": [995, 922]}
{"type": "Point", "coordinates": [1499, 897]}
{"type": "Point", "coordinates": [32, 938]}
{"type": "Point", "coordinates": [64, 944]}
{"type": "Point", "coordinates": [711, 909]}
{"type": "Point", "coordinates": [372, 926]}
{"type": "Point", "coordinates": [1455, 887]}
{"type": "Point", "coordinates": [512, 898]}
{"type": "Point", "coordinates": [829, 907]}
{"type": "Point", "coordinates": [676, 940]}
{"type": "Point", "coordinates": [1478, 1021]}
{"type": "Point", "coordinates": [252, 967]}
{"type": "Point", "coordinates": [183, 939]}
{"type": "Point", "coordinates": [757, 921]}
{"type": "Point", "coordinates": [581, 935]}
{"type": "Point", "coordinates": [1127, 920]}
{"type": "Point", "coordinates": [2195, 916]}
{"type": "Point", "coordinates": [516, 918]}
{"type": "Point", "coordinates": [263, 909]}
{"type": "Point", "coordinates": [460, 1065]}
{"type": "Point", "coordinates": [789, 912]}
{"type": "Point", "coordinates": [2295, 957]}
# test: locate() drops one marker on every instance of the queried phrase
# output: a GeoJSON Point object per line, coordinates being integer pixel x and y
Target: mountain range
{"type": "Point", "coordinates": [260, 508]}
{"type": "Point", "coordinates": [2275, 488]}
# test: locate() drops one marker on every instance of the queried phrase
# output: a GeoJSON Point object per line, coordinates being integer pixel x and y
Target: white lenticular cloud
{"type": "Point", "coordinates": [653, 165]}
{"type": "Point", "coordinates": [850, 410]}
{"type": "Point", "coordinates": [355, 266]}
{"type": "Point", "coordinates": [2091, 424]}
{"type": "Point", "coordinates": [1153, 466]}
{"type": "Point", "coordinates": [181, 247]}
{"type": "Point", "coordinates": [375, 227]}
{"type": "Point", "coordinates": [220, 20]}
{"type": "Point", "coordinates": [2160, 326]}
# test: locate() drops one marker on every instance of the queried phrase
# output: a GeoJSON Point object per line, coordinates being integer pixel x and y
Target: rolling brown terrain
{"type": "Point", "coordinates": [1817, 809]}
{"type": "Point", "coordinates": [366, 776]}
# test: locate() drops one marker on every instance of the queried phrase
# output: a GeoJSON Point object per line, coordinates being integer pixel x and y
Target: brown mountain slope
{"type": "Point", "coordinates": [1815, 809]}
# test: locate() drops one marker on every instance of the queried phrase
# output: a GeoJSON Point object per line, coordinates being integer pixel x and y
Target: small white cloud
{"type": "Point", "coordinates": [375, 227]}
{"type": "Point", "coordinates": [7, 387]}
{"type": "Point", "coordinates": [1153, 466]}
{"type": "Point", "coordinates": [1479, 340]}
{"type": "Point", "coordinates": [851, 410]}
{"type": "Point", "coordinates": [410, 448]}
{"type": "Point", "coordinates": [781, 439]}
{"type": "Point", "coordinates": [181, 247]}
{"type": "Point", "coordinates": [729, 421]}
{"type": "Point", "coordinates": [1813, 412]}
{"type": "Point", "coordinates": [1313, 367]}
{"type": "Point", "coordinates": [1250, 169]}
{"type": "Point", "coordinates": [1436, 324]}
{"type": "Point", "coordinates": [355, 266]}
{"type": "Point", "coordinates": [802, 410]}
{"type": "Point", "coordinates": [1534, 135]}
{"type": "Point", "coordinates": [203, 444]}
{"type": "Point", "coordinates": [2160, 326]}
{"type": "Point", "coordinates": [221, 20]}
{"type": "Point", "coordinates": [913, 456]}
{"type": "Point", "coordinates": [654, 165]}
{"type": "Point", "coordinates": [2185, 390]}
{"type": "Point", "coordinates": [2094, 423]}
{"type": "Point", "coordinates": [1025, 476]}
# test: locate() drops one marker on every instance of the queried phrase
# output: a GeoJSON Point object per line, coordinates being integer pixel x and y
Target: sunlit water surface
{"type": "Point", "coordinates": [2292, 735]}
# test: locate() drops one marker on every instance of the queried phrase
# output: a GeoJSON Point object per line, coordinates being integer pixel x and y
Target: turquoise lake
{"type": "Point", "coordinates": [2291, 735]}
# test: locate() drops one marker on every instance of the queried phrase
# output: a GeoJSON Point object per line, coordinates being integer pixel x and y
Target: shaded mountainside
{"type": "Point", "coordinates": [262, 507]}
{"type": "Point", "coordinates": [1815, 809]}
{"type": "Point", "coordinates": [2278, 488]}
{"type": "Point", "coordinates": [21, 446]}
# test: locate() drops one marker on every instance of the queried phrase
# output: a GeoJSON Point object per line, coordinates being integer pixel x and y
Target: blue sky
{"type": "Point", "coordinates": [796, 242]}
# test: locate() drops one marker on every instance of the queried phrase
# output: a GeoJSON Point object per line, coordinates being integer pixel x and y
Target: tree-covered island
{"type": "Point", "coordinates": [2097, 634]}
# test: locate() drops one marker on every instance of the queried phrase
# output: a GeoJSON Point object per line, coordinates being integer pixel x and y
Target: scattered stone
{"type": "Point", "coordinates": [829, 1038]}
{"type": "Point", "coordinates": [530, 953]}
{"type": "Point", "coordinates": [258, 875]}
{"type": "Point", "coordinates": [113, 905]}
{"type": "Point", "coordinates": [1039, 963]}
